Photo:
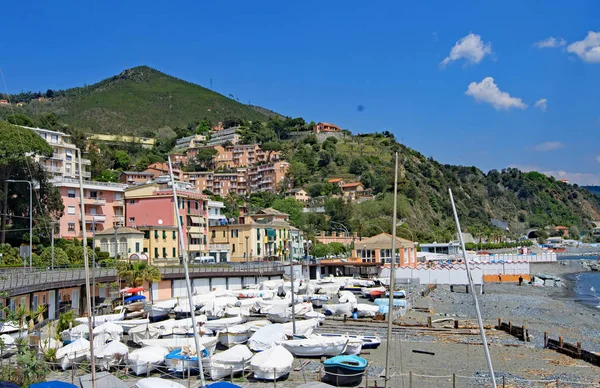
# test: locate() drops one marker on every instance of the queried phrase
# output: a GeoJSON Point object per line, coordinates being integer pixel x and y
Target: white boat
{"type": "Point", "coordinates": [12, 329]}
{"type": "Point", "coordinates": [145, 360]}
{"type": "Point", "coordinates": [316, 346]}
{"type": "Point", "coordinates": [216, 307]}
{"type": "Point", "coordinates": [255, 325]}
{"type": "Point", "coordinates": [110, 355]}
{"type": "Point", "coordinates": [267, 337]}
{"type": "Point", "coordinates": [264, 306]}
{"type": "Point", "coordinates": [283, 314]}
{"type": "Point", "coordinates": [155, 382]}
{"type": "Point", "coordinates": [184, 359]}
{"type": "Point", "coordinates": [234, 360]}
{"type": "Point", "coordinates": [100, 319]}
{"type": "Point", "coordinates": [248, 294]}
{"type": "Point", "coordinates": [115, 332]}
{"type": "Point", "coordinates": [354, 346]}
{"type": "Point", "coordinates": [74, 333]}
{"type": "Point", "coordinates": [145, 332]}
{"type": "Point", "coordinates": [318, 300]}
{"type": "Point", "coordinates": [131, 323]}
{"type": "Point", "coordinates": [272, 364]}
{"type": "Point", "coordinates": [366, 291]}
{"type": "Point", "coordinates": [160, 310]}
{"type": "Point", "coordinates": [233, 335]}
{"type": "Point", "coordinates": [219, 324]}
{"type": "Point", "coordinates": [303, 327]}
{"type": "Point", "coordinates": [369, 341]}
{"type": "Point", "coordinates": [8, 345]}
{"type": "Point", "coordinates": [210, 343]}
{"type": "Point", "coordinates": [73, 353]}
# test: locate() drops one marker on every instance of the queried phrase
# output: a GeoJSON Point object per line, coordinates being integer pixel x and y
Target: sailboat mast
{"type": "Point", "coordinates": [86, 262]}
{"type": "Point", "coordinates": [470, 278]}
{"type": "Point", "coordinates": [390, 314]}
{"type": "Point", "coordinates": [187, 274]}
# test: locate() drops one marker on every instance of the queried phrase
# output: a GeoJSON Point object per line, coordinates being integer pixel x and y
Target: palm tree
{"type": "Point", "coordinates": [136, 274]}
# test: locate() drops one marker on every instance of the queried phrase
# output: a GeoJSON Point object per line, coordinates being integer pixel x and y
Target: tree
{"type": "Point", "coordinates": [20, 119]}
{"type": "Point", "coordinates": [138, 273]}
{"type": "Point", "coordinates": [49, 121]}
{"type": "Point", "coordinates": [121, 160]}
{"type": "Point", "coordinates": [321, 250]}
{"type": "Point", "coordinates": [271, 147]}
{"type": "Point", "coordinates": [203, 160]}
{"type": "Point", "coordinates": [60, 257]}
{"type": "Point", "coordinates": [358, 166]}
{"type": "Point", "coordinates": [299, 173]}
{"type": "Point", "coordinates": [289, 206]}
{"type": "Point", "coordinates": [16, 144]}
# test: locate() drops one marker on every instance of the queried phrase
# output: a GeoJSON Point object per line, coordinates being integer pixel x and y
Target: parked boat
{"type": "Point", "coordinates": [110, 355]}
{"type": "Point", "coordinates": [272, 364]}
{"type": "Point", "coordinates": [397, 294]}
{"type": "Point", "coordinates": [303, 327]}
{"type": "Point", "coordinates": [318, 300]}
{"type": "Point", "coordinates": [114, 332]}
{"type": "Point", "coordinates": [222, 384]}
{"type": "Point", "coordinates": [73, 353]}
{"type": "Point", "coordinates": [344, 370]}
{"type": "Point", "coordinates": [155, 382]}
{"type": "Point", "coordinates": [354, 346]}
{"type": "Point", "coordinates": [255, 325]}
{"type": "Point", "coordinates": [161, 310]}
{"type": "Point", "coordinates": [366, 291]}
{"type": "Point", "coordinates": [316, 346]}
{"type": "Point", "coordinates": [48, 384]}
{"type": "Point", "coordinates": [74, 333]}
{"type": "Point", "coordinates": [234, 335]}
{"type": "Point", "coordinates": [144, 360]}
{"type": "Point", "coordinates": [234, 360]}
{"type": "Point", "coordinates": [8, 347]}
{"type": "Point", "coordinates": [267, 337]}
{"type": "Point", "coordinates": [12, 329]}
{"type": "Point", "coordinates": [131, 323]}
{"type": "Point", "coordinates": [100, 319]}
{"type": "Point", "coordinates": [375, 294]}
{"type": "Point", "coordinates": [369, 341]}
{"type": "Point", "coordinates": [223, 323]}
{"type": "Point", "coordinates": [210, 343]}
{"type": "Point", "coordinates": [184, 359]}
{"type": "Point", "coordinates": [103, 380]}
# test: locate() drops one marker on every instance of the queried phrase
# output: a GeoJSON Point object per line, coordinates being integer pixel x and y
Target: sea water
{"type": "Point", "coordinates": [587, 288]}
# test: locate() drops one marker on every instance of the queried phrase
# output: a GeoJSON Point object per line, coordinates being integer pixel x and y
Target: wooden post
{"type": "Point", "coordinates": [557, 381]}
{"type": "Point", "coordinates": [560, 342]}
{"type": "Point", "coordinates": [453, 380]}
{"type": "Point", "coordinates": [409, 379]}
{"type": "Point", "coordinates": [275, 370]}
{"type": "Point", "coordinates": [524, 333]}
{"type": "Point", "coordinates": [456, 323]}
{"type": "Point", "coordinates": [579, 349]}
{"type": "Point", "coordinates": [147, 369]}
{"type": "Point", "coordinates": [429, 322]}
{"type": "Point", "coordinates": [545, 339]}
{"type": "Point", "coordinates": [503, 381]}
{"type": "Point", "coordinates": [499, 323]}
{"type": "Point", "coordinates": [509, 327]}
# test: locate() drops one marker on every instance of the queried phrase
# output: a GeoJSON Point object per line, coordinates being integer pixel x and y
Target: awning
{"type": "Point", "coordinates": [195, 235]}
{"type": "Point", "coordinates": [195, 219]}
{"type": "Point", "coordinates": [271, 232]}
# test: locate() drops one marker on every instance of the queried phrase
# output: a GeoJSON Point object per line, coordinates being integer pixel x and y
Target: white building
{"type": "Point", "coordinates": [214, 213]}
{"type": "Point", "coordinates": [229, 134]}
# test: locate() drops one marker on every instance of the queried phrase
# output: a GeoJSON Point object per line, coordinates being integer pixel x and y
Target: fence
{"type": "Point", "coordinates": [520, 332]}
{"type": "Point", "coordinates": [571, 350]}
{"type": "Point", "coordinates": [544, 257]}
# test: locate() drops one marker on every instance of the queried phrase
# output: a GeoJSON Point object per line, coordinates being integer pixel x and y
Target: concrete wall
{"type": "Point", "coordinates": [531, 258]}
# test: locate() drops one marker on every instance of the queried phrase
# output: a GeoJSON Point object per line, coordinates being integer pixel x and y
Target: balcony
{"type": "Point", "coordinates": [86, 162]}
{"type": "Point", "coordinates": [94, 201]}
{"type": "Point", "coordinates": [58, 156]}
{"type": "Point", "coordinates": [193, 247]}
{"type": "Point", "coordinates": [53, 169]}
{"type": "Point", "coordinates": [218, 247]}
{"type": "Point", "coordinates": [119, 219]}
{"type": "Point", "coordinates": [95, 218]}
{"type": "Point", "coordinates": [118, 203]}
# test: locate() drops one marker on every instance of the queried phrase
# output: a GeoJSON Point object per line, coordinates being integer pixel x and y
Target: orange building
{"type": "Point", "coordinates": [326, 127]}
{"type": "Point", "coordinates": [266, 177]}
{"type": "Point", "coordinates": [378, 249]}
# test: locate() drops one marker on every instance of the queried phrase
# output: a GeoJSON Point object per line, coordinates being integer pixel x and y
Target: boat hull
{"type": "Point", "coordinates": [230, 339]}
{"type": "Point", "coordinates": [340, 376]}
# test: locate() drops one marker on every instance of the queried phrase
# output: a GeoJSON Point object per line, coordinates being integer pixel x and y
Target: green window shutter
{"type": "Point", "coordinates": [174, 252]}
{"type": "Point", "coordinates": [164, 251]}
{"type": "Point", "coordinates": [164, 234]}
{"type": "Point", "coordinates": [181, 220]}
{"type": "Point", "coordinates": [174, 235]}
{"type": "Point", "coordinates": [204, 240]}
{"type": "Point", "coordinates": [137, 246]}
{"type": "Point", "coordinates": [146, 234]}
{"type": "Point", "coordinates": [156, 234]}
{"type": "Point", "coordinates": [258, 249]}
{"type": "Point", "coordinates": [204, 205]}
{"type": "Point", "coordinates": [197, 205]}
{"type": "Point", "coordinates": [155, 252]}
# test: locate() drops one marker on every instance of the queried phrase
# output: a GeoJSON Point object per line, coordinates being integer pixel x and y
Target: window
{"type": "Point", "coordinates": [164, 234]}
{"type": "Point", "coordinates": [43, 299]}
{"type": "Point", "coordinates": [104, 245]}
{"type": "Point", "coordinates": [69, 154]}
{"type": "Point", "coordinates": [164, 251]}
{"type": "Point", "coordinates": [71, 193]}
{"type": "Point", "coordinates": [156, 253]}
{"type": "Point", "coordinates": [174, 252]}
{"type": "Point", "coordinates": [132, 201]}
{"type": "Point", "coordinates": [204, 240]}
{"type": "Point", "coordinates": [213, 234]}
{"type": "Point", "coordinates": [71, 226]}
{"type": "Point", "coordinates": [232, 248]}
{"type": "Point", "coordinates": [93, 194]}
{"type": "Point", "coordinates": [131, 220]}
{"type": "Point", "coordinates": [118, 196]}
{"type": "Point", "coordinates": [174, 235]}
{"type": "Point", "coordinates": [223, 233]}
{"type": "Point", "coordinates": [146, 234]}
{"type": "Point", "coordinates": [71, 210]}
{"type": "Point", "coordinates": [68, 168]}
{"type": "Point", "coordinates": [137, 247]}
{"type": "Point", "coordinates": [197, 205]}
{"type": "Point", "coordinates": [145, 250]}
{"type": "Point", "coordinates": [156, 234]}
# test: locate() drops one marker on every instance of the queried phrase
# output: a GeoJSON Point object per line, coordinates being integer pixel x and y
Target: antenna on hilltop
{"type": "Point", "coordinates": [210, 83]}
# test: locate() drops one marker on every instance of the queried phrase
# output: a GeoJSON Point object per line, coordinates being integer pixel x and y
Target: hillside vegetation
{"type": "Point", "coordinates": [138, 101]}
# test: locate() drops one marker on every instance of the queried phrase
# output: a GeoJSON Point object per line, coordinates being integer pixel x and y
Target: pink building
{"type": "Point", "coordinates": [152, 205]}
{"type": "Point", "coordinates": [103, 204]}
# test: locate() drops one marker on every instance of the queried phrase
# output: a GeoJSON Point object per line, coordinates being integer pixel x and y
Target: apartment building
{"type": "Point", "coordinates": [125, 241]}
{"type": "Point", "coordinates": [263, 236]}
{"type": "Point", "coordinates": [267, 176]}
{"type": "Point", "coordinates": [152, 205]}
{"type": "Point", "coordinates": [159, 169]}
{"type": "Point", "coordinates": [103, 205]}
{"type": "Point", "coordinates": [214, 213]}
{"type": "Point", "coordinates": [161, 244]}
{"type": "Point", "coordinates": [242, 155]}
{"type": "Point", "coordinates": [135, 177]}
{"type": "Point", "coordinates": [190, 141]}
{"type": "Point", "coordinates": [227, 134]}
{"type": "Point", "coordinates": [299, 195]}
{"type": "Point", "coordinates": [296, 244]}
{"type": "Point", "coordinates": [218, 183]}
{"type": "Point", "coordinates": [64, 161]}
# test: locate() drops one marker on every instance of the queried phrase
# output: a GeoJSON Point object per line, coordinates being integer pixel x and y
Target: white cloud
{"type": "Point", "coordinates": [579, 178]}
{"type": "Point", "coordinates": [548, 146]}
{"type": "Point", "coordinates": [598, 158]}
{"type": "Point", "coordinates": [587, 49]}
{"type": "Point", "coordinates": [550, 42]}
{"type": "Point", "coordinates": [471, 48]}
{"type": "Point", "coordinates": [542, 103]}
{"type": "Point", "coordinates": [487, 91]}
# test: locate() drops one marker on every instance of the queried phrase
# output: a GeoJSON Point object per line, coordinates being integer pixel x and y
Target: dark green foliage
{"type": "Point", "coordinates": [291, 207]}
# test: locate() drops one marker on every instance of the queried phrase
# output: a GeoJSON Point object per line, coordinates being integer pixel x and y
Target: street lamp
{"type": "Point", "coordinates": [30, 219]}
{"type": "Point", "coordinates": [343, 226]}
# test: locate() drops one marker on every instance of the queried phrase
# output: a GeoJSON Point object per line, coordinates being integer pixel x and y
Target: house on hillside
{"type": "Point", "coordinates": [352, 191]}
{"type": "Point", "coordinates": [134, 177]}
{"type": "Point", "coordinates": [563, 230]}
{"type": "Point", "coordinates": [299, 195]}
{"type": "Point", "coordinates": [4, 102]}
{"type": "Point", "coordinates": [326, 127]}
{"type": "Point", "coordinates": [270, 215]}
{"type": "Point", "coordinates": [376, 249]}
{"type": "Point", "coordinates": [336, 181]}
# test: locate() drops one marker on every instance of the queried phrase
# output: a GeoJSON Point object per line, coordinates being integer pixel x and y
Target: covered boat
{"type": "Point", "coordinates": [74, 333]}
{"type": "Point", "coordinates": [316, 346]}
{"type": "Point", "coordinates": [155, 382]}
{"type": "Point", "coordinates": [267, 337]}
{"type": "Point", "coordinates": [103, 380]}
{"type": "Point", "coordinates": [50, 384]}
{"type": "Point", "coordinates": [318, 300]}
{"type": "Point", "coordinates": [366, 310]}
{"type": "Point", "coordinates": [303, 327]}
{"type": "Point", "coordinates": [144, 360]}
{"type": "Point", "coordinates": [233, 335]}
{"type": "Point", "coordinates": [219, 324]}
{"type": "Point", "coordinates": [114, 332]}
{"type": "Point", "coordinates": [347, 297]}
{"type": "Point", "coordinates": [131, 323]}
{"type": "Point", "coordinates": [112, 354]}
{"type": "Point", "coordinates": [234, 360]}
{"type": "Point", "coordinates": [161, 310]}
{"type": "Point", "coordinates": [184, 359]}
{"type": "Point", "coordinates": [73, 353]}
{"type": "Point", "coordinates": [12, 329]}
{"type": "Point", "coordinates": [272, 364]}
{"type": "Point", "coordinates": [369, 341]}
{"type": "Point", "coordinates": [100, 319]}
{"type": "Point", "coordinates": [366, 291]}
{"type": "Point", "coordinates": [255, 325]}
{"type": "Point", "coordinates": [8, 347]}
{"type": "Point", "coordinates": [344, 370]}
{"type": "Point", "coordinates": [210, 343]}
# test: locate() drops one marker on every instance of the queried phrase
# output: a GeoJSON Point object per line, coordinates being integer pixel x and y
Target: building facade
{"type": "Point", "coordinates": [296, 244]}
{"type": "Point", "coordinates": [103, 204]}
{"type": "Point", "coordinates": [227, 134]}
{"type": "Point", "coordinates": [299, 195]}
{"type": "Point", "coordinates": [326, 127]}
{"type": "Point", "coordinates": [267, 176]}
{"type": "Point", "coordinates": [125, 241]}
{"type": "Point", "coordinates": [135, 177]}
{"type": "Point", "coordinates": [161, 244]}
{"type": "Point", "coordinates": [378, 249]}
{"type": "Point", "coordinates": [152, 205]}
{"type": "Point", "coordinates": [214, 213]}
{"type": "Point", "coordinates": [64, 161]}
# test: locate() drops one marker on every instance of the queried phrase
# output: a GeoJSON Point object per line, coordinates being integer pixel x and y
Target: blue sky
{"type": "Point", "coordinates": [322, 59]}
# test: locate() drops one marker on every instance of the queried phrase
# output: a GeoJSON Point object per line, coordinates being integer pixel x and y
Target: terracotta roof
{"type": "Point", "coordinates": [353, 184]}
{"type": "Point", "coordinates": [271, 211]}
{"type": "Point", "coordinates": [334, 180]}
{"type": "Point", "coordinates": [383, 240]}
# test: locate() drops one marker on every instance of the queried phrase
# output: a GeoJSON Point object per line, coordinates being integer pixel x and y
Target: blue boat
{"type": "Point", "coordinates": [134, 298]}
{"type": "Point", "coordinates": [397, 294]}
{"type": "Point", "coordinates": [53, 384]}
{"type": "Point", "coordinates": [222, 384]}
{"type": "Point", "coordinates": [386, 302]}
{"type": "Point", "coordinates": [180, 363]}
{"type": "Point", "coordinates": [342, 371]}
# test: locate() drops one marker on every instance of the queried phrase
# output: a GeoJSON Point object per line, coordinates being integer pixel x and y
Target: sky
{"type": "Point", "coordinates": [486, 83]}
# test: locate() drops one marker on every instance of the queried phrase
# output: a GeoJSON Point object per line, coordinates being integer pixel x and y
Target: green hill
{"type": "Point", "coordinates": [137, 101]}
{"type": "Point", "coordinates": [593, 189]}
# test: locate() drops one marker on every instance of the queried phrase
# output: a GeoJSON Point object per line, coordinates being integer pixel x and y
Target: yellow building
{"type": "Point", "coordinates": [130, 241]}
{"type": "Point", "coordinates": [161, 244]}
{"type": "Point", "coordinates": [264, 236]}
